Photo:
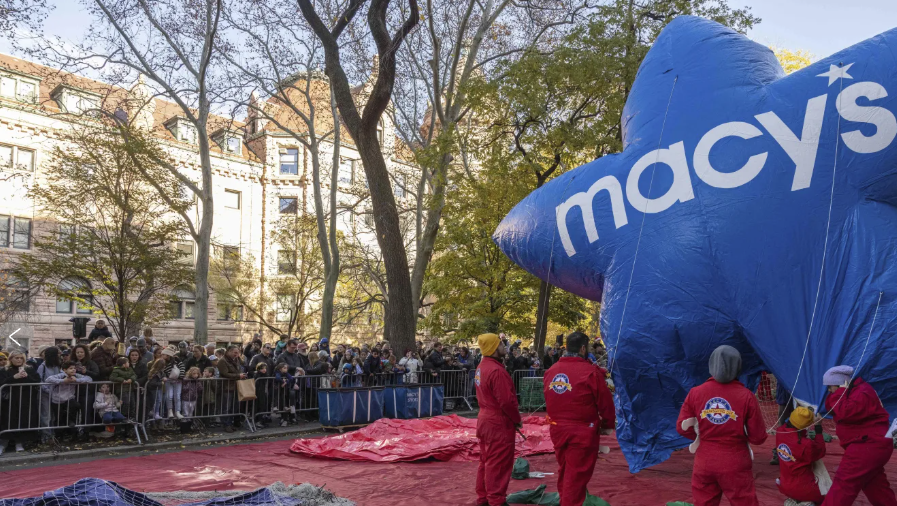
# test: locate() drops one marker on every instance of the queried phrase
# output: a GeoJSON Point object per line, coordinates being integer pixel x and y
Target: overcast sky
{"type": "Point", "coordinates": [819, 26]}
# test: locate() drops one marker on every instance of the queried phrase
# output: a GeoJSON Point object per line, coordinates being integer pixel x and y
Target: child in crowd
{"type": "Point", "coordinates": [173, 382]}
{"type": "Point", "coordinates": [262, 392]}
{"type": "Point", "coordinates": [284, 395]}
{"type": "Point", "coordinates": [191, 391]}
{"type": "Point", "coordinates": [64, 405]}
{"type": "Point", "coordinates": [209, 389]}
{"type": "Point", "coordinates": [154, 385]}
{"type": "Point", "coordinates": [125, 380]}
{"type": "Point", "coordinates": [107, 407]}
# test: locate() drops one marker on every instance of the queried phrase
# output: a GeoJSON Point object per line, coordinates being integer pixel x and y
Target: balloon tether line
{"type": "Point", "coordinates": [641, 228]}
{"type": "Point", "coordinates": [821, 267]}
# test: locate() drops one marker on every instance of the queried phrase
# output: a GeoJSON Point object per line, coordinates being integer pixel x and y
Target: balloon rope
{"type": "Point", "coordinates": [860, 363]}
{"type": "Point", "coordinates": [821, 267]}
{"type": "Point", "coordinates": [641, 228]}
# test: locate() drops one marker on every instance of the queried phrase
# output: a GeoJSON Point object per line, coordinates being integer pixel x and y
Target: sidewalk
{"type": "Point", "coordinates": [163, 441]}
{"type": "Point", "coordinates": [160, 441]}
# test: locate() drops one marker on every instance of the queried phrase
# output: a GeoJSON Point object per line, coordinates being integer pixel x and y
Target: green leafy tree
{"type": "Point", "coordinates": [106, 242]}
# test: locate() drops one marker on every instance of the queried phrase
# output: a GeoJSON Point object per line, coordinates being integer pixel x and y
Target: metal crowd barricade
{"type": "Point", "coordinates": [528, 385]}
{"type": "Point", "coordinates": [51, 407]}
{"type": "Point", "coordinates": [458, 383]}
{"type": "Point", "coordinates": [205, 398]}
{"type": "Point", "coordinates": [288, 397]}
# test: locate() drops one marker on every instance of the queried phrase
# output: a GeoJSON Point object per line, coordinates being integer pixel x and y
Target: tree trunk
{"type": "Point", "coordinates": [399, 316]}
{"type": "Point", "coordinates": [542, 317]}
{"type": "Point", "coordinates": [203, 246]}
{"type": "Point", "coordinates": [427, 241]}
{"type": "Point", "coordinates": [331, 260]}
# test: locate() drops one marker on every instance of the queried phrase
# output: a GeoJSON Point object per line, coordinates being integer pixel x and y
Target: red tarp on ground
{"type": "Point", "coordinates": [242, 467]}
{"type": "Point", "coordinates": [445, 438]}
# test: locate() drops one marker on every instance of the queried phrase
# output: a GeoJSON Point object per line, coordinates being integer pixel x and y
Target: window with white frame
{"type": "Point", "coordinates": [289, 162]}
{"type": "Point", "coordinates": [18, 88]}
{"type": "Point", "coordinates": [398, 186]}
{"type": "Point", "coordinates": [182, 129]}
{"type": "Point", "coordinates": [21, 233]}
{"type": "Point", "coordinates": [229, 312]}
{"type": "Point", "coordinates": [234, 144]}
{"type": "Point", "coordinates": [14, 157]}
{"type": "Point", "coordinates": [14, 293]}
{"type": "Point", "coordinates": [183, 304]}
{"type": "Point", "coordinates": [369, 219]}
{"type": "Point", "coordinates": [231, 199]}
{"type": "Point", "coordinates": [75, 288]}
{"type": "Point", "coordinates": [289, 205]}
{"type": "Point", "coordinates": [186, 251]}
{"type": "Point", "coordinates": [286, 262]}
{"type": "Point", "coordinates": [346, 173]}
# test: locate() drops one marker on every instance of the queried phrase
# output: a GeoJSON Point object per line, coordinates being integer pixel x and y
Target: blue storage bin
{"type": "Point", "coordinates": [395, 403]}
{"type": "Point", "coordinates": [424, 400]}
{"type": "Point", "coordinates": [349, 406]}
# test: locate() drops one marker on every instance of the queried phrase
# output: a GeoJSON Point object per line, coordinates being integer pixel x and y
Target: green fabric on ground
{"type": "Point", "coordinates": [521, 469]}
{"type": "Point", "coordinates": [531, 395]}
{"type": "Point", "coordinates": [680, 503]}
{"type": "Point", "coordinates": [539, 496]}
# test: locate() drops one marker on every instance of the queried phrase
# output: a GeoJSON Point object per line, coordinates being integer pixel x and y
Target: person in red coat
{"type": "Point", "coordinates": [579, 405]}
{"type": "Point", "coordinates": [496, 422]}
{"type": "Point", "coordinates": [797, 453]}
{"type": "Point", "coordinates": [727, 417]}
{"type": "Point", "coordinates": [861, 423]}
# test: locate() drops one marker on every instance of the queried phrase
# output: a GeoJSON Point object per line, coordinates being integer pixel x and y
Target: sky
{"type": "Point", "coordinates": [821, 27]}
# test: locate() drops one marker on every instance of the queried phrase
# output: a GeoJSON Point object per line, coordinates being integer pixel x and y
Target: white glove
{"type": "Point", "coordinates": [692, 422]}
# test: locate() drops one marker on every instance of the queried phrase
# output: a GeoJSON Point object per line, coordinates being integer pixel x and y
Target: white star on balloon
{"type": "Point", "coordinates": [835, 72]}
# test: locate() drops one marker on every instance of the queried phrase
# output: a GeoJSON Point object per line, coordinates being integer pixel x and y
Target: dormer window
{"type": "Point", "coordinates": [181, 129]}
{"type": "Point", "coordinates": [17, 87]}
{"type": "Point", "coordinates": [75, 101]}
{"type": "Point", "coordinates": [229, 141]}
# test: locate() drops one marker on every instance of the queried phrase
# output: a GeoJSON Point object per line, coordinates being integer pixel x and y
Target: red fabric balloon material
{"type": "Point", "coordinates": [443, 438]}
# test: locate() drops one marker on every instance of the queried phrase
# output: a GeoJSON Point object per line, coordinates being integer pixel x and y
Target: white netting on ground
{"type": "Point", "coordinates": [281, 493]}
{"type": "Point", "coordinates": [766, 395]}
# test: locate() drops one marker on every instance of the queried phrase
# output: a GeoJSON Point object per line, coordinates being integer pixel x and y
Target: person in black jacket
{"type": "Point", "coordinates": [198, 359]}
{"type": "Point", "coordinates": [99, 332]}
{"type": "Point", "coordinates": [253, 348]}
{"type": "Point", "coordinates": [372, 367]}
{"type": "Point", "coordinates": [21, 408]}
{"type": "Point", "coordinates": [434, 363]}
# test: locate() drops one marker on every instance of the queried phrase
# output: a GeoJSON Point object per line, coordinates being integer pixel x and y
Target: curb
{"type": "Point", "coordinates": [13, 461]}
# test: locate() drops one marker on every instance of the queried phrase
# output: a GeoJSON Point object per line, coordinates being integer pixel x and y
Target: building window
{"type": "Point", "coordinates": [181, 129]}
{"type": "Point", "coordinates": [289, 205]}
{"type": "Point", "coordinates": [233, 144]}
{"type": "Point", "coordinates": [289, 162]}
{"type": "Point", "coordinates": [14, 293]}
{"type": "Point", "coordinates": [229, 312]}
{"type": "Point", "coordinates": [398, 187]}
{"type": "Point", "coordinates": [75, 288]}
{"type": "Point", "coordinates": [18, 88]}
{"type": "Point", "coordinates": [369, 219]}
{"type": "Point", "coordinates": [230, 255]}
{"type": "Point", "coordinates": [232, 199]}
{"type": "Point", "coordinates": [186, 251]}
{"type": "Point", "coordinates": [21, 233]}
{"type": "Point", "coordinates": [286, 262]}
{"type": "Point", "coordinates": [347, 172]}
{"type": "Point", "coordinates": [284, 308]}
{"type": "Point", "coordinates": [12, 157]}
{"type": "Point", "coordinates": [183, 303]}
{"type": "Point", "coordinates": [4, 230]}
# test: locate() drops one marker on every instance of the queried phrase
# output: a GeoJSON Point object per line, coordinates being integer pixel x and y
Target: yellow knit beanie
{"type": "Point", "coordinates": [488, 343]}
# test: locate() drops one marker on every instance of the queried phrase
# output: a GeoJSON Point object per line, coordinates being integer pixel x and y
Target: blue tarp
{"type": "Point", "coordinates": [747, 208]}
{"type": "Point", "coordinates": [413, 401]}
{"type": "Point", "coordinates": [96, 492]}
{"type": "Point", "coordinates": [350, 406]}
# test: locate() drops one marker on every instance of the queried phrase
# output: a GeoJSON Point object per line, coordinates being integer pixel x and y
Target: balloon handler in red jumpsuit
{"type": "Point", "coordinates": [800, 458]}
{"type": "Point", "coordinates": [496, 423]}
{"type": "Point", "coordinates": [727, 417]}
{"type": "Point", "coordinates": [579, 406]}
{"type": "Point", "coordinates": [861, 423]}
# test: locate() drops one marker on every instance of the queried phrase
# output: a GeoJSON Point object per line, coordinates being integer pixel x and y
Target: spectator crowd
{"type": "Point", "coordinates": [67, 392]}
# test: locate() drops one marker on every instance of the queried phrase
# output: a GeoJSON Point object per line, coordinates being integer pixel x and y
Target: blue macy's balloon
{"type": "Point", "coordinates": [747, 208]}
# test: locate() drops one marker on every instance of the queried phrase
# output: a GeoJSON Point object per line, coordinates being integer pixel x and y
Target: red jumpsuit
{"type": "Point", "coordinates": [579, 404]}
{"type": "Point", "coordinates": [728, 419]}
{"type": "Point", "coordinates": [861, 423]}
{"type": "Point", "coordinates": [495, 430]}
{"type": "Point", "coordinates": [796, 454]}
